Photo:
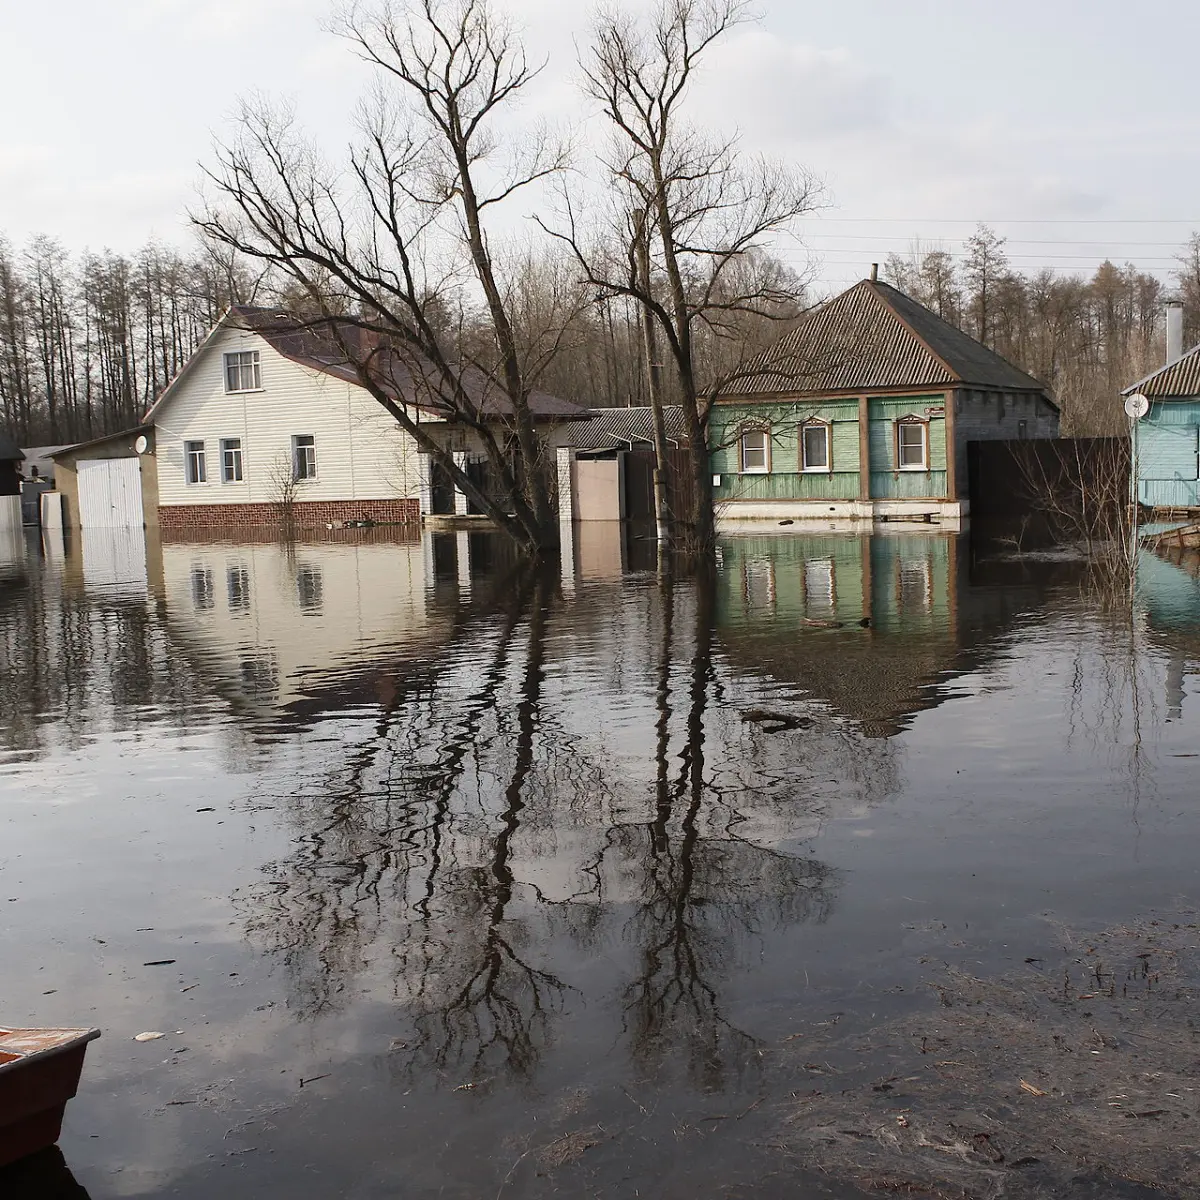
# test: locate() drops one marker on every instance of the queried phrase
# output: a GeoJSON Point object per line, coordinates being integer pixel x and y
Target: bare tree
{"type": "Point", "coordinates": [986, 265]}
{"type": "Point", "coordinates": [694, 202]}
{"type": "Point", "coordinates": [385, 250]}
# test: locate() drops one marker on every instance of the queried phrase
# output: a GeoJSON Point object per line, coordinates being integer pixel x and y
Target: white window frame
{"type": "Point", "coordinates": [816, 423]}
{"type": "Point", "coordinates": [911, 423]}
{"type": "Point", "coordinates": [242, 362]}
{"type": "Point", "coordinates": [309, 444]}
{"type": "Point", "coordinates": [232, 446]}
{"type": "Point", "coordinates": [195, 463]}
{"type": "Point", "coordinates": [765, 434]}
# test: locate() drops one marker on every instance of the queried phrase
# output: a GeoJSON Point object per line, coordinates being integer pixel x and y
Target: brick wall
{"type": "Point", "coordinates": [309, 515]}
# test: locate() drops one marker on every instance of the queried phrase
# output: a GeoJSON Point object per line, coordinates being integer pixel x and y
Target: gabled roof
{"type": "Point", "coordinates": [616, 427]}
{"type": "Point", "coordinates": [1179, 380]}
{"type": "Point", "coordinates": [9, 450]}
{"type": "Point", "coordinates": [67, 451]}
{"type": "Point", "coordinates": [873, 337]}
{"type": "Point", "coordinates": [316, 343]}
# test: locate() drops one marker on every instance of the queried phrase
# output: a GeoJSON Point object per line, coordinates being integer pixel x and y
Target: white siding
{"type": "Point", "coordinates": [361, 453]}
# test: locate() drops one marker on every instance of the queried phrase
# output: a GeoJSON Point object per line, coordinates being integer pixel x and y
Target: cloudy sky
{"type": "Point", "coordinates": [1070, 125]}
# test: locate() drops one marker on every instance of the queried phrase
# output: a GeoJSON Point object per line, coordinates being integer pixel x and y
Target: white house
{"type": "Point", "coordinates": [268, 418]}
{"type": "Point", "coordinates": [266, 413]}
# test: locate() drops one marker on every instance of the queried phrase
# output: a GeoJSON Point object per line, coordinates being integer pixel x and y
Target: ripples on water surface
{"type": "Point", "coordinates": [479, 882]}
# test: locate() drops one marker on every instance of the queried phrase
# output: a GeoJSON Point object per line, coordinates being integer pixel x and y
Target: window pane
{"type": "Point", "coordinates": [912, 445]}
{"type": "Point", "coordinates": [242, 371]}
{"type": "Point", "coordinates": [754, 450]}
{"type": "Point", "coordinates": [231, 460]}
{"type": "Point", "coordinates": [193, 462]}
{"type": "Point", "coordinates": [816, 446]}
{"type": "Point", "coordinates": [304, 456]}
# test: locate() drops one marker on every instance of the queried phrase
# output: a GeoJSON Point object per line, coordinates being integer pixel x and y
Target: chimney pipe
{"type": "Point", "coordinates": [1174, 331]}
{"type": "Point", "coordinates": [874, 272]}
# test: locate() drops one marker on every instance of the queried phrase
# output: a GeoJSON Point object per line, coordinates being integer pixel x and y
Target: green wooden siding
{"type": "Point", "coordinates": [908, 485]}
{"type": "Point", "coordinates": [786, 481]}
{"type": "Point", "coordinates": [888, 483]}
{"type": "Point", "coordinates": [790, 485]}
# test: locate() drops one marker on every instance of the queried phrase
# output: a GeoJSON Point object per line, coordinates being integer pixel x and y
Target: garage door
{"type": "Point", "coordinates": [110, 494]}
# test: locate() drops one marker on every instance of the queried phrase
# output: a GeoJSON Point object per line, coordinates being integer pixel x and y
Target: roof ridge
{"type": "Point", "coordinates": [875, 284]}
{"type": "Point", "coordinates": [1145, 379]}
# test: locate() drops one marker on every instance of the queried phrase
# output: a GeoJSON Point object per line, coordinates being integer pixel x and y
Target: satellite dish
{"type": "Point", "coordinates": [142, 445]}
{"type": "Point", "coordinates": [1136, 406]}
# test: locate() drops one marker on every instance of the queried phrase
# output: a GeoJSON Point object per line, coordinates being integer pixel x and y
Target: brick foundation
{"type": "Point", "coordinates": [312, 514]}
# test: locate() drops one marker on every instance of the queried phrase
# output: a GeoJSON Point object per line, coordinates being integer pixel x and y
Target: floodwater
{"type": "Point", "coordinates": [445, 878]}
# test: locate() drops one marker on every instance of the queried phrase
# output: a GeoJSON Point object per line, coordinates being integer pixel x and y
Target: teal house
{"type": "Point", "coordinates": [1168, 437]}
{"type": "Point", "coordinates": [865, 410]}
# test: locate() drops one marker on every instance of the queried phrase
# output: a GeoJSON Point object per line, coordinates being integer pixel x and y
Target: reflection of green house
{"type": "Point", "coordinates": [869, 626]}
{"type": "Point", "coordinates": [865, 410]}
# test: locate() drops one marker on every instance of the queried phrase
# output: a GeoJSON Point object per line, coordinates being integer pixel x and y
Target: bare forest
{"type": "Point", "coordinates": [87, 341]}
{"type": "Point", "coordinates": [1085, 338]}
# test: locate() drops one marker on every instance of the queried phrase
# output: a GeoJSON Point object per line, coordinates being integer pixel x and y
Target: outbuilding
{"type": "Point", "coordinates": [109, 482]}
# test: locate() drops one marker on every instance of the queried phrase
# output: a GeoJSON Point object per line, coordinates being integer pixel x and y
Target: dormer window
{"type": "Point", "coordinates": [912, 444]}
{"type": "Point", "coordinates": [242, 371]}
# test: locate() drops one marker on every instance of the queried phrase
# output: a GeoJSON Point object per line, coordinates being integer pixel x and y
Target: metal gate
{"type": "Point", "coordinates": [110, 493]}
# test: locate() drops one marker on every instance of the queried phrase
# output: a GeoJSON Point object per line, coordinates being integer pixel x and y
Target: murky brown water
{"type": "Point", "coordinates": [484, 883]}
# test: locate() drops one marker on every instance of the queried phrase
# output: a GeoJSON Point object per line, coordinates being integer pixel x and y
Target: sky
{"type": "Point", "coordinates": [1070, 126]}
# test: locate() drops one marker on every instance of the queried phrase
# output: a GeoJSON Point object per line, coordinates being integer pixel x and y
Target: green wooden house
{"type": "Point", "coordinates": [865, 410]}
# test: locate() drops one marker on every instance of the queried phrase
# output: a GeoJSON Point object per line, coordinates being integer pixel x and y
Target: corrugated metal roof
{"type": "Point", "coordinates": [873, 337]}
{"type": "Point", "coordinates": [1181, 379]}
{"type": "Point", "coordinates": [608, 427]}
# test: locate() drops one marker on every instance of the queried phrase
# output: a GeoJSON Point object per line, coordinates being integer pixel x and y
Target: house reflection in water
{"type": "Point", "coordinates": [866, 623]}
{"type": "Point", "coordinates": [276, 621]}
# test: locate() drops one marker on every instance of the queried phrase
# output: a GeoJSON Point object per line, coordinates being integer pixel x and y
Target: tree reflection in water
{"type": "Point", "coordinates": [483, 838]}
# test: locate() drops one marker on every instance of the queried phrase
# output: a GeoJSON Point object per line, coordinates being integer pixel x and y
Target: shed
{"type": "Point", "coordinates": [606, 463]}
{"type": "Point", "coordinates": [110, 482]}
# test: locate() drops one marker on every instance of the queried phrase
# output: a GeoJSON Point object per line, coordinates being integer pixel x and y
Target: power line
{"type": "Point", "coordinates": [1194, 221]}
{"type": "Point", "coordinates": [882, 237]}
